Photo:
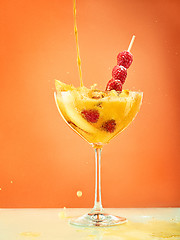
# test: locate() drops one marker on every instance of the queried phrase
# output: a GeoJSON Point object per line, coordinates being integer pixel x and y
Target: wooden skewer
{"type": "Point", "coordinates": [131, 43]}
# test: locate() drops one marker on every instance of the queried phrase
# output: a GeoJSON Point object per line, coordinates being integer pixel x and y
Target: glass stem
{"type": "Point", "coordinates": [97, 202]}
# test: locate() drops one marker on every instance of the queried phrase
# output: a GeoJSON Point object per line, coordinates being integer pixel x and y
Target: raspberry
{"type": "Point", "coordinates": [114, 84]}
{"type": "Point", "coordinates": [109, 126]}
{"type": "Point", "coordinates": [91, 115]}
{"type": "Point", "coordinates": [119, 72]}
{"type": "Point", "coordinates": [124, 59]}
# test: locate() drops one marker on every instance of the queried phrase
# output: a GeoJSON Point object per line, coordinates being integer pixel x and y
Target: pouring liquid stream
{"type": "Point", "coordinates": [77, 45]}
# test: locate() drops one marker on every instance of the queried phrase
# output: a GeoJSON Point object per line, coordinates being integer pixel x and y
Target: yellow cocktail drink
{"type": "Point", "coordinates": [95, 115]}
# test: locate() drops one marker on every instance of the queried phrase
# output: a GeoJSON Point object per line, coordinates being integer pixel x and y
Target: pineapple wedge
{"type": "Point", "coordinates": [60, 86]}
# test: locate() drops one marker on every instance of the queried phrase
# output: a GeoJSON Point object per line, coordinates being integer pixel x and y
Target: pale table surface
{"type": "Point", "coordinates": [53, 224]}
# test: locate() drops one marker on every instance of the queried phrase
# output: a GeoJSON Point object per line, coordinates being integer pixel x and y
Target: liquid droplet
{"type": "Point", "coordinates": [79, 193]}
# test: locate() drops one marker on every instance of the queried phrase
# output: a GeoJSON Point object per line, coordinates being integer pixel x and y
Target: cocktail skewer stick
{"type": "Point", "coordinates": [131, 43]}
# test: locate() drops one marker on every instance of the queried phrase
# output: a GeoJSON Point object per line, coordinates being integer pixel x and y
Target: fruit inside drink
{"type": "Point", "coordinates": [95, 115]}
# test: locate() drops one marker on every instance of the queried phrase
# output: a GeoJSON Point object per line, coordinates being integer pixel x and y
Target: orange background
{"type": "Point", "coordinates": [43, 163]}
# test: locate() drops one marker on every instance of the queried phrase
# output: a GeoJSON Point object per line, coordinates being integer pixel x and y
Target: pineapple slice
{"type": "Point", "coordinates": [60, 86]}
{"type": "Point", "coordinates": [72, 110]}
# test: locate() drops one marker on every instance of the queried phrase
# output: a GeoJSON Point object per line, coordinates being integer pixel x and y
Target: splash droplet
{"type": "Point", "coordinates": [62, 213]}
{"type": "Point", "coordinates": [79, 193]}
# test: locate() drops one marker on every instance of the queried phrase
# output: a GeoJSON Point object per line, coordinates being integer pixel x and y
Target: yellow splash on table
{"type": "Point", "coordinates": [151, 230]}
{"type": "Point", "coordinates": [30, 234]}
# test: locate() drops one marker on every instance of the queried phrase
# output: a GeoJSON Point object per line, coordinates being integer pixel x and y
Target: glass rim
{"type": "Point", "coordinates": [130, 91]}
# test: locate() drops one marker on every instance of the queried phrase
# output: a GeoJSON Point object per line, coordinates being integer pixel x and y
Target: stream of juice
{"type": "Point", "coordinates": [77, 45]}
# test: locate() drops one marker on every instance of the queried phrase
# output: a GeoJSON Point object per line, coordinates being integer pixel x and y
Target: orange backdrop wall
{"type": "Point", "coordinates": [43, 163]}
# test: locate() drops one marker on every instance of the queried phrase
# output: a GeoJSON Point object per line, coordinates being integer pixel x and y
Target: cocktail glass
{"type": "Point", "coordinates": [115, 113]}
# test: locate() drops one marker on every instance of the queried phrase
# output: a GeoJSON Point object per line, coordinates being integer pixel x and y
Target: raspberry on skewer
{"type": "Point", "coordinates": [120, 73]}
{"type": "Point", "coordinates": [125, 58]}
{"type": "Point", "coordinates": [114, 84]}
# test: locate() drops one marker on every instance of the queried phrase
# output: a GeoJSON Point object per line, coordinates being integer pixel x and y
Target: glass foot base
{"type": "Point", "coordinates": [98, 219]}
